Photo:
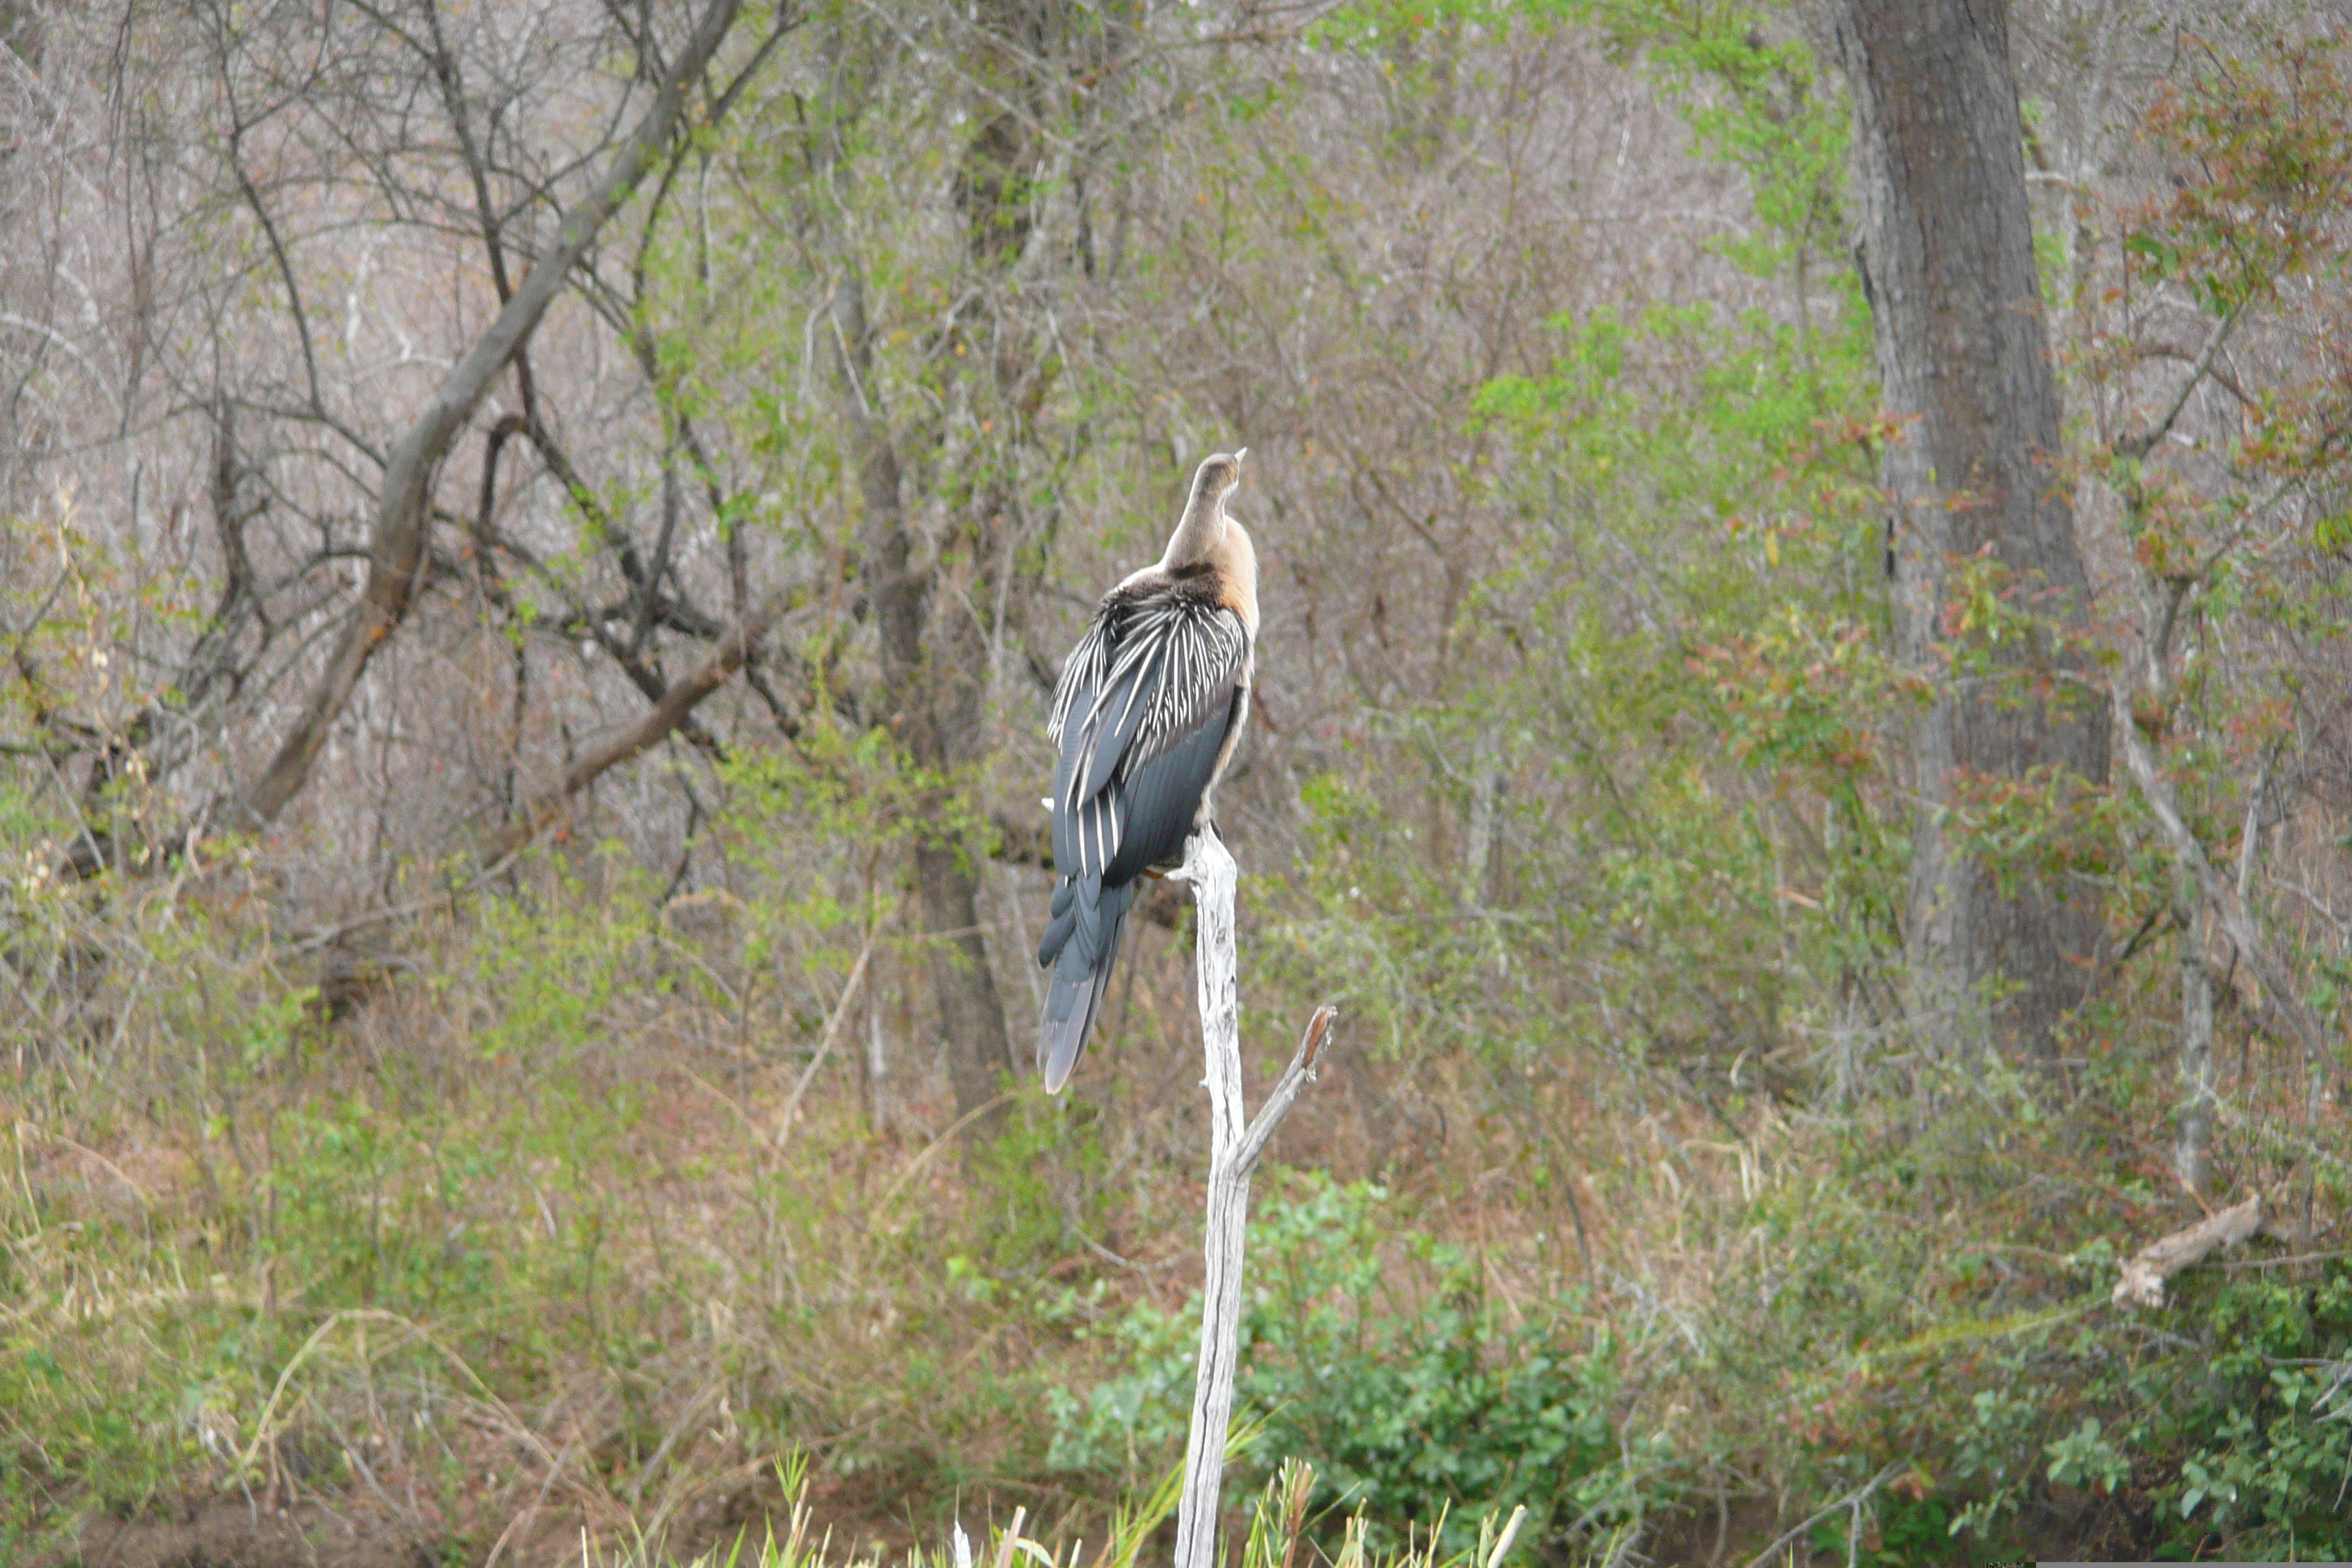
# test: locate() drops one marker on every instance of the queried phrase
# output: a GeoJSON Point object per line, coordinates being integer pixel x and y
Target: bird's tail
{"type": "Point", "coordinates": [1081, 943]}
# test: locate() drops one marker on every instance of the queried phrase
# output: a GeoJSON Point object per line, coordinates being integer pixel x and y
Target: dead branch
{"type": "Point", "coordinates": [1304, 1064]}
{"type": "Point", "coordinates": [2142, 1284]}
{"type": "Point", "coordinates": [1853, 1499]}
{"type": "Point", "coordinates": [670, 713]}
{"type": "Point", "coordinates": [2281, 1008]}
{"type": "Point", "coordinates": [1234, 1152]}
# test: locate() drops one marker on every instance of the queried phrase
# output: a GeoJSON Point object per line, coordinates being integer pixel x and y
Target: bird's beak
{"type": "Point", "coordinates": [1240, 456]}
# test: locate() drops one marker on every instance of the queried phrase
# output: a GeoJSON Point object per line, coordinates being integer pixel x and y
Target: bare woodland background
{"type": "Point", "coordinates": [534, 541]}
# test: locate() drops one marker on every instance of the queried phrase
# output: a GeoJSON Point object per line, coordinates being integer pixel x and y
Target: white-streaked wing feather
{"type": "Point", "coordinates": [1190, 653]}
{"type": "Point", "coordinates": [1203, 650]}
{"type": "Point", "coordinates": [1084, 668]}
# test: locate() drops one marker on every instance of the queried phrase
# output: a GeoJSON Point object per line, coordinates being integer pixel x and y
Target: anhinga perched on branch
{"type": "Point", "coordinates": [1149, 709]}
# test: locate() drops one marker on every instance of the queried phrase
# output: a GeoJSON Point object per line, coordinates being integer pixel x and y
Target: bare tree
{"type": "Point", "coordinates": [383, 134]}
{"type": "Point", "coordinates": [403, 516]}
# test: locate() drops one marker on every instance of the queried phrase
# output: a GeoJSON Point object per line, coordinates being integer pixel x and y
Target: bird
{"type": "Point", "coordinates": [1149, 709]}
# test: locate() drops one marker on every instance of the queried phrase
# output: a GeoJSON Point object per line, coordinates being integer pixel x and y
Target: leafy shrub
{"type": "Point", "coordinates": [2267, 1427]}
{"type": "Point", "coordinates": [1371, 1352]}
{"type": "Point", "coordinates": [2222, 1426]}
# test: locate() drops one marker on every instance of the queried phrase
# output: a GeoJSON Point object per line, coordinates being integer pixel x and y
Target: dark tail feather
{"type": "Point", "coordinates": [1087, 948]}
{"type": "Point", "coordinates": [1061, 920]}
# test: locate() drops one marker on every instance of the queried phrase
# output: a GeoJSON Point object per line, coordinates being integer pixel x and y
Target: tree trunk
{"type": "Point", "coordinates": [2192, 1147]}
{"type": "Point", "coordinates": [979, 1052]}
{"type": "Point", "coordinates": [939, 614]}
{"type": "Point", "coordinates": [1948, 262]}
{"type": "Point", "coordinates": [933, 707]}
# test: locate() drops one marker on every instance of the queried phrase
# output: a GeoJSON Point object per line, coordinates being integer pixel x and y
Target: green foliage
{"type": "Point", "coordinates": [140, 1352]}
{"type": "Point", "coordinates": [1701, 557]}
{"type": "Point", "coordinates": [1761, 104]}
{"type": "Point", "coordinates": [2262, 141]}
{"type": "Point", "coordinates": [1279, 1528]}
{"type": "Point", "coordinates": [1419, 1406]}
{"type": "Point", "coordinates": [561, 965]}
{"type": "Point", "coordinates": [2220, 1425]}
{"type": "Point", "coordinates": [2214, 1430]}
{"type": "Point", "coordinates": [1044, 1179]}
{"type": "Point", "coordinates": [2085, 1458]}
{"type": "Point", "coordinates": [2267, 1438]}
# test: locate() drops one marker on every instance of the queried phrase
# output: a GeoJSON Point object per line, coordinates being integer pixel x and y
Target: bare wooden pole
{"type": "Point", "coordinates": [1209, 866]}
{"type": "Point", "coordinates": [1235, 1147]}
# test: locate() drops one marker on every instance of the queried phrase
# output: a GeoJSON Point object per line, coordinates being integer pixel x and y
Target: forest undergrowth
{"type": "Point", "coordinates": [569, 1231]}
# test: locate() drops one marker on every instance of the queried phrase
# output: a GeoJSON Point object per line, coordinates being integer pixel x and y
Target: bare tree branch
{"type": "Point", "coordinates": [404, 514]}
{"type": "Point", "coordinates": [2281, 1008]}
{"type": "Point", "coordinates": [1234, 1152]}
{"type": "Point", "coordinates": [1853, 1499]}
{"type": "Point", "coordinates": [2140, 445]}
{"type": "Point", "coordinates": [2141, 1283]}
{"type": "Point", "coordinates": [670, 713]}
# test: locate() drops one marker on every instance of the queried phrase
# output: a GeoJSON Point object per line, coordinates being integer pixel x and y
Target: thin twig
{"type": "Point", "coordinates": [2278, 1000]}
{"type": "Point", "coordinates": [2282, 1262]}
{"type": "Point", "coordinates": [936, 1144]}
{"type": "Point", "coordinates": [824, 1046]}
{"type": "Point", "coordinates": [1853, 1499]}
{"type": "Point", "coordinates": [2140, 445]}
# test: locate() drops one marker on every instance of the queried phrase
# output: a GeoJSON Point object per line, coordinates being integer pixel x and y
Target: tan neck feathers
{"type": "Point", "coordinates": [1197, 535]}
{"type": "Point", "coordinates": [1236, 567]}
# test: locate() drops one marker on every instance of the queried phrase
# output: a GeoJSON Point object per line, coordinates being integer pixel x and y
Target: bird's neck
{"type": "Point", "coordinates": [1197, 537]}
{"type": "Point", "coordinates": [1237, 565]}
{"type": "Point", "coordinates": [1207, 540]}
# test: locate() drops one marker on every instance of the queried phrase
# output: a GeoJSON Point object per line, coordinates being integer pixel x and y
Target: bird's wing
{"type": "Point", "coordinates": [1081, 671]}
{"type": "Point", "coordinates": [1089, 809]}
{"type": "Point", "coordinates": [1146, 682]}
{"type": "Point", "coordinates": [1149, 672]}
{"type": "Point", "coordinates": [1142, 816]}
{"type": "Point", "coordinates": [1114, 719]}
{"type": "Point", "coordinates": [1189, 654]}
{"type": "Point", "coordinates": [1161, 799]}
{"type": "Point", "coordinates": [1087, 827]}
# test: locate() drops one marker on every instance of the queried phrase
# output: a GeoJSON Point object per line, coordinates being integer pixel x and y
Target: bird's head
{"type": "Point", "coordinates": [1217, 476]}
